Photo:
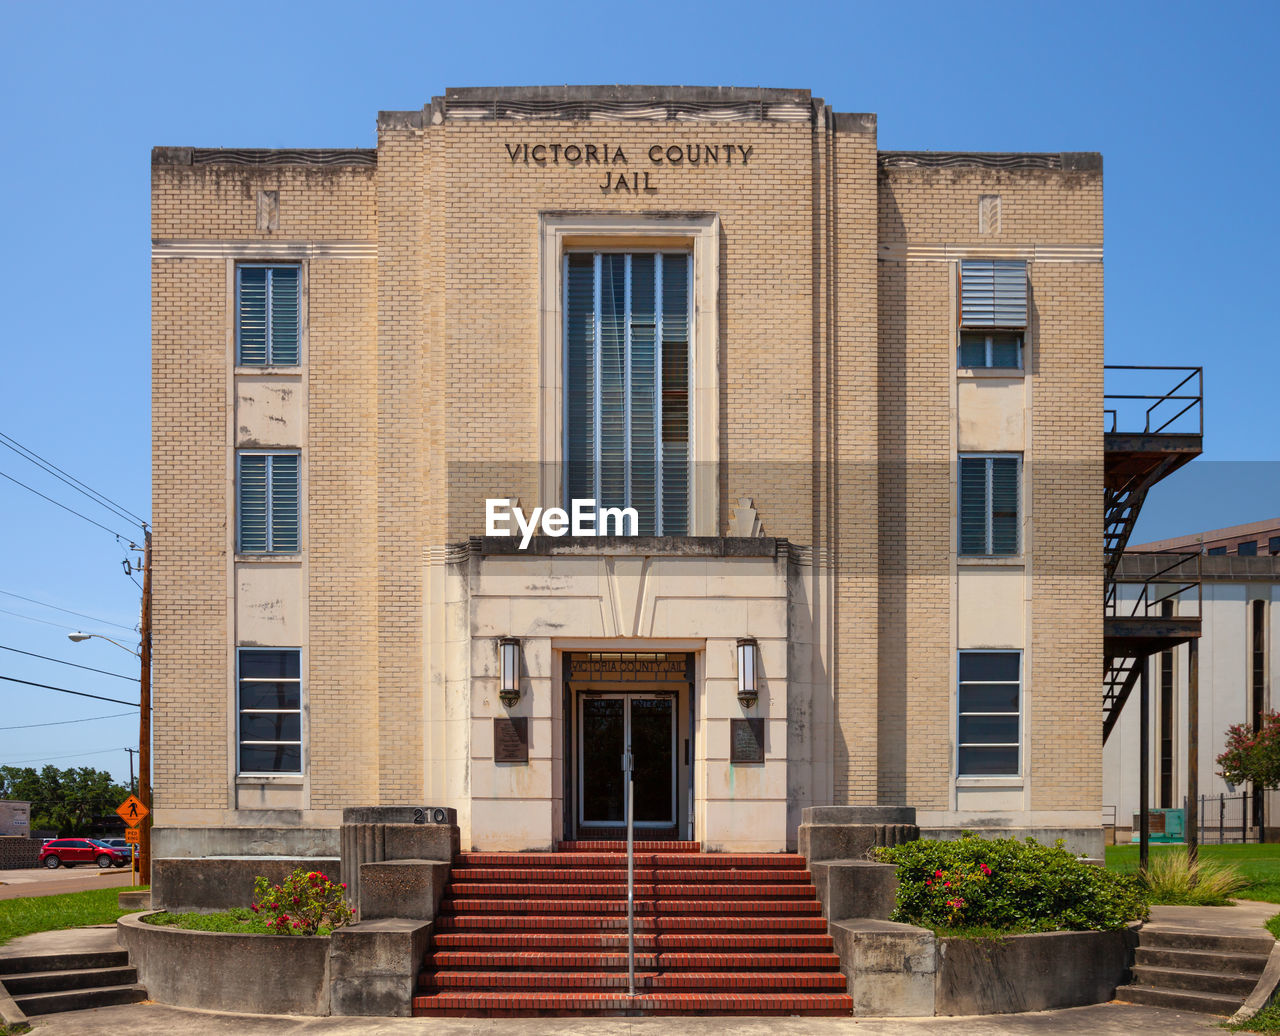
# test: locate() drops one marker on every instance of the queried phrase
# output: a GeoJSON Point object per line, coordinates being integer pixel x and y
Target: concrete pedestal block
{"type": "Point", "coordinates": [371, 834]}
{"type": "Point", "coordinates": [134, 899]}
{"type": "Point", "coordinates": [858, 815]}
{"type": "Point", "coordinates": [850, 841]}
{"type": "Point", "coordinates": [855, 888]}
{"type": "Point", "coordinates": [890, 968]}
{"type": "Point", "coordinates": [373, 966]}
{"type": "Point", "coordinates": [409, 889]}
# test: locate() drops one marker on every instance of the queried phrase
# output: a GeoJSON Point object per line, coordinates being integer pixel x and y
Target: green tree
{"type": "Point", "coordinates": [71, 802]}
{"type": "Point", "coordinates": [1253, 755]}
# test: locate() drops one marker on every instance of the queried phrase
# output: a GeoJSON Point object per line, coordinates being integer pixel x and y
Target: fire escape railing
{"type": "Point", "coordinates": [1174, 577]}
{"type": "Point", "coordinates": [1184, 398]}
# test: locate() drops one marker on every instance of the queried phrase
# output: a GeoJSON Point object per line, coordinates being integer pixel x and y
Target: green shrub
{"type": "Point", "coordinates": [1005, 885]}
{"type": "Point", "coordinates": [307, 902]}
{"type": "Point", "coordinates": [1171, 878]}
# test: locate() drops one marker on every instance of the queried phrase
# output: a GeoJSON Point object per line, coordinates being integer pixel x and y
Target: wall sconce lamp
{"type": "Point", "coordinates": [509, 655]}
{"type": "Point", "coordinates": [748, 680]}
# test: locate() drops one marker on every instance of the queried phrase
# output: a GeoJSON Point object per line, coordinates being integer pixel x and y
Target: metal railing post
{"type": "Point", "coordinates": [1222, 819]}
{"type": "Point", "coordinates": [631, 876]}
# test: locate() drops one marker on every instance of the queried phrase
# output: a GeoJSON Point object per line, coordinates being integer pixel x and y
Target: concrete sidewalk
{"type": "Point", "coordinates": [1243, 917]}
{"type": "Point", "coordinates": [148, 1019]}
{"type": "Point", "coordinates": [90, 939]}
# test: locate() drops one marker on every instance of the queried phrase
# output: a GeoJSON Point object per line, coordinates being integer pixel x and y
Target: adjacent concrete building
{"type": "Point", "coordinates": [852, 396]}
{"type": "Point", "coordinates": [1238, 671]}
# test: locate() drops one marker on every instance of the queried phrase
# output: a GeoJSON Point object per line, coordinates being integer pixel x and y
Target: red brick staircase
{"type": "Point", "coordinates": [529, 934]}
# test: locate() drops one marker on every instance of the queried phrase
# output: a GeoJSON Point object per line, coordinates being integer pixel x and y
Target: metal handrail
{"type": "Point", "coordinates": [1146, 601]}
{"type": "Point", "coordinates": [1174, 395]}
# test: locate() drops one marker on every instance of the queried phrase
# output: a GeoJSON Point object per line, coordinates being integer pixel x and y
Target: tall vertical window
{"type": "Point", "coordinates": [1166, 719]}
{"type": "Point", "coordinates": [993, 312]}
{"type": "Point", "coordinates": [990, 708]}
{"type": "Point", "coordinates": [267, 503]}
{"type": "Point", "coordinates": [989, 505]}
{"type": "Point", "coordinates": [1258, 678]}
{"type": "Point", "coordinates": [268, 315]}
{"type": "Point", "coordinates": [627, 320]}
{"type": "Point", "coordinates": [270, 710]}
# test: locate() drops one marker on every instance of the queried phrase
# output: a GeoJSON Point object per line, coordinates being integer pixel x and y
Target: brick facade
{"type": "Point", "coordinates": [419, 396]}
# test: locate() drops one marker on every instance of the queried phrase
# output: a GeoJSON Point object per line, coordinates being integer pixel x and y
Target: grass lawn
{"type": "Point", "coordinates": [1260, 864]}
{"type": "Point", "coordinates": [49, 913]}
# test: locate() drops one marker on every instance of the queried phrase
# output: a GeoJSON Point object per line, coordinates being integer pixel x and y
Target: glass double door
{"type": "Point", "coordinates": [609, 726]}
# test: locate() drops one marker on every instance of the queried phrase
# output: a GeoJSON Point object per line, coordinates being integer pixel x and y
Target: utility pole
{"type": "Point", "coordinates": [133, 784]}
{"type": "Point", "coordinates": [144, 716]}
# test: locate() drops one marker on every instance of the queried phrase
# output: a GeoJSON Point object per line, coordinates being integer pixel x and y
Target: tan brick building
{"type": "Point", "coordinates": [853, 397]}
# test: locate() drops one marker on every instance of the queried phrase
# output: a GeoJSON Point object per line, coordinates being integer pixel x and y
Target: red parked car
{"type": "Point", "coordinates": [70, 851]}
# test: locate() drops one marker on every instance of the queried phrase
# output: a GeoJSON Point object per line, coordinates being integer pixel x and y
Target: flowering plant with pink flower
{"type": "Point", "coordinates": [305, 904]}
{"type": "Point", "coordinates": [1253, 756]}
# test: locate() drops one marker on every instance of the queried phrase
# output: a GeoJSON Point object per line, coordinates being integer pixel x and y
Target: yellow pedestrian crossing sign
{"type": "Point", "coordinates": [132, 811]}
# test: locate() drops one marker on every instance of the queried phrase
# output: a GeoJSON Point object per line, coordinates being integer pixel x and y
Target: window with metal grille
{"type": "Point", "coordinates": [268, 315]}
{"type": "Point", "coordinates": [270, 710]}
{"type": "Point", "coordinates": [988, 735]}
{"type": "Point", "coordinates": [990, 489]}
{"type": "Point", "coordinates": [993, 312]}
{"type": "Point", "coordinates": [267, 503]}
{"type": "Point", "coordinates": [627, 322]}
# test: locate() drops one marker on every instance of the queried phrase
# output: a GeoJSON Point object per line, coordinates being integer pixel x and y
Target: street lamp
{"type": "Point", "coordinates": [81, 637]}
{"type": "Point", "coordinates": [143, 655]}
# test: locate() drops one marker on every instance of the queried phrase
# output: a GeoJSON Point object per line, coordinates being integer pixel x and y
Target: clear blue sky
{"type": "Point", "coordinates": [1181, 99]}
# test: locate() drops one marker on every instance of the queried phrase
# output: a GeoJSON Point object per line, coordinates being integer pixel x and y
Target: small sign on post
{"type": "Point", "coordinates": [133, 835]}
{"type": "Point", "coordinates": [132, 811]}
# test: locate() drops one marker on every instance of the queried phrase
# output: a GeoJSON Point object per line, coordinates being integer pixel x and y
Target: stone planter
{"type": "Point", "coordinates": [1031, 972]}
{"type": "Point", "coordinates": [898, 969]}
{"type": "Point", "coordinates": [226, 971]}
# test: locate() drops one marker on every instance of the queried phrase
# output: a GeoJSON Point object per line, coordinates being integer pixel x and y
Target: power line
{"type": "Point", "coordinates": [64, 690]}
{"type": "Point", "coordinates": [51, 500]}
{"type": "Point", "coordinates": [51, 758]}
{"type": "Point", "coordinates": [54, 607]}
{"type": "Point", "coordinates": [64, 722]}
{"type": "Point", "coordinates": [80, 487]}
{"type": "Point", "coordinates": [46, 622]}
{"type": "Point", "coordinates": [75, 665]}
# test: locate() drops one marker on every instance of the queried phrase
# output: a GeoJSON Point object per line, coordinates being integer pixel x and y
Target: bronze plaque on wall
{"type": "Point", "coordinates": [746, 740]}
{"type": "Point", "coordinates": [511, 739]}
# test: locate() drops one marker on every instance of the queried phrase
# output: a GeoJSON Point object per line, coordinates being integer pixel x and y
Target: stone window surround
{"type": "Point", "coordinates": [699, 232]}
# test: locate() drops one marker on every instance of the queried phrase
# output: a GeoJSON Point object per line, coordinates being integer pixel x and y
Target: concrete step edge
{"type": "Point", "coordinates": [26, 963]}
{"type": "Point", "coordinates": [66, 980]}
{"type": "Point", "coordinates": [1182, 999]}
{"type": "Point", "coordinates": [79, 999]}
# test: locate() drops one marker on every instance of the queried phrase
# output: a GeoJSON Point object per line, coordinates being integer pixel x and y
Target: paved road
{"type": "Point", "coordinates": [156, 1020]}
{"type": "Point", "coordinates": [40, 881]}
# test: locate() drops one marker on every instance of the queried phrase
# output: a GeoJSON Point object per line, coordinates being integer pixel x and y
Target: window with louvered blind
{"type": "Point", "coordinates": [268, 315]}
{"type": "Point", "coordinates": [993, 312]}
{"type": "Point", "coordinates": [990, 512]}
{"type": "Point", "coordinates": [627, 318]}
{"type": "Point", "coordinates": [989, 703]}
{"type": "Point", "coordinates": [267, 503]}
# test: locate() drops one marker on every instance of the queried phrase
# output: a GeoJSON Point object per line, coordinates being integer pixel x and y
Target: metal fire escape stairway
{"type": "Point", "coordinates": [1148, 436]}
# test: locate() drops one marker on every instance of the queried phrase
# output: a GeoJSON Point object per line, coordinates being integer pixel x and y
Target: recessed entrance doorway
{"type": "Point", "coordinates": [619, 702]}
